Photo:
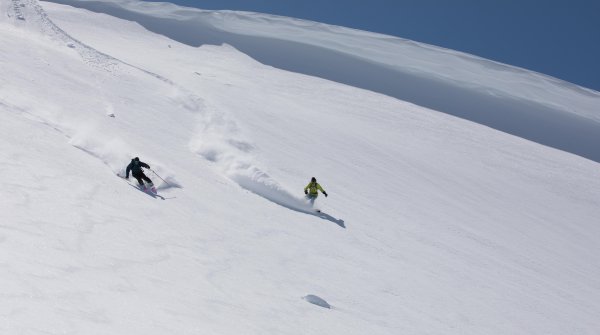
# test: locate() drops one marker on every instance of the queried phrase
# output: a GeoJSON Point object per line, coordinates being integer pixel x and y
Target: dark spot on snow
{"type": "Point", "coordinates": [315, 300]}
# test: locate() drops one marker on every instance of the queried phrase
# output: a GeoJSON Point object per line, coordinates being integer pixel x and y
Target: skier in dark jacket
{"type": "Point", "coordinates": [136, 170]}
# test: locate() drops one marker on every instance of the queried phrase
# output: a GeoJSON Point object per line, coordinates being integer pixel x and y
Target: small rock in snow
{"type": "Point", "coordinates": [313, 299]}
{"type": "Point", "coordinates": [71, 45]}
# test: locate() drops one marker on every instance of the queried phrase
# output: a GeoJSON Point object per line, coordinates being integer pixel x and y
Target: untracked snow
{"type": "Point", "coordinates": [433, 225]}
{"type": "Point", "coordinates": [530, 105]}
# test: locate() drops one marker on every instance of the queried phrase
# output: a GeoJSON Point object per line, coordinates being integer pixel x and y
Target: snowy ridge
{"type": "Point", "coordinates": [526, 104]}
{"type": "Point", "coordinates": [35, 17]}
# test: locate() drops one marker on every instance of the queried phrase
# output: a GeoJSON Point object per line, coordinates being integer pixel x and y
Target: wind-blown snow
{"type": "Point", "coordinates": [433, 224]}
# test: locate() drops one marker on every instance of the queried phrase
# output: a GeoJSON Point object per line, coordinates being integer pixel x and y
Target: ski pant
{"type": "Point", "coordinates": [311, 198]}
{"type": "Point", "coordinates": [141, 176]}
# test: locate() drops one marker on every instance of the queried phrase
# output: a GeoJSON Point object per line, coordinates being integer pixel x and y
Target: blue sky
{"type": "Point", "coordinates": [559, 38]}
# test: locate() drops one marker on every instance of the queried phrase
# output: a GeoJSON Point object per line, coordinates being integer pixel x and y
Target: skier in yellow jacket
{"type": "Point", "coordinates": [312, 190]}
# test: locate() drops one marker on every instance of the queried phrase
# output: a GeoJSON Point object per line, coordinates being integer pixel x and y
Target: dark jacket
{"type": "Point", "coordinates": [136, 168]}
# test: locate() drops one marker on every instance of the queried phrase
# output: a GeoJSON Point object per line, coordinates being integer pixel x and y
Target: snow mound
{"type": "Point", "coordinates": [316, 300]}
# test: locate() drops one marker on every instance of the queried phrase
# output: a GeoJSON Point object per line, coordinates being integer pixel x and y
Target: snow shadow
{"type": "Point", "coordinates": [328, 217]}
{"type": "Point", "coordinates": [316, 300]}
{"type": "Point", "coordinates": [153, 195]}
{"type": "Point", "coordinates": [534, 121]}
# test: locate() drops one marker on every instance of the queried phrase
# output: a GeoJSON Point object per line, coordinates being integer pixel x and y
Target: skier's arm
{"type": "Point", "coordinates": [322, 190]}
{"type": "Point", "coordinates": [144, 165]}
{"type": "Point", "coordinates": [306, 188]}
{"type": "Point", "coordinates": [127, 171]}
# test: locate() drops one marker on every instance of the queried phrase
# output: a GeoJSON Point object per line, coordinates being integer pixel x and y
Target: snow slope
{"type": "Point", "coordinates": [530, 105]}
{"type": "Point", "coordinates": [434, 224]}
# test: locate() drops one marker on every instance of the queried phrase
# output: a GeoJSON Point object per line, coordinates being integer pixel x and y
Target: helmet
{"type": "Point", "coordinates": [136, 159]}
{"type": "Point", "coordinates": [313, 179]}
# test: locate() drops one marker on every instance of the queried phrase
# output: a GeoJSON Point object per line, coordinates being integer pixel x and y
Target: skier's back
{"type": "Point", "coordinates": [136, 170]}
{"type": "Point", "coordinates": [312, 190]}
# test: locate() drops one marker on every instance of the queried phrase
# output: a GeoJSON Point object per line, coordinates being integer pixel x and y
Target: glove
{"type": "Point", "coordinates": [325, 194]}
{"type": "Point", "coordinates": [305, 192]}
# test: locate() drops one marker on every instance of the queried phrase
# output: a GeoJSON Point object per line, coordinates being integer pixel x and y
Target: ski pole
{"type": "Point", "coordinates": [166, 182]}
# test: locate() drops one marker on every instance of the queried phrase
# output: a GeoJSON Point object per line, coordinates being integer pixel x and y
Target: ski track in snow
{"type": "Point", "coordinates": [218, 139]}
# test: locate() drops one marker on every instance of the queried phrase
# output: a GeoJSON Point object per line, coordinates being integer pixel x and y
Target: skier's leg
{"type": "Point", "coordinates": [139, 176]}
{"type": "Point", "coordinates": [148, 180]}
{"type": "Point", "coordinates": [149, 183]}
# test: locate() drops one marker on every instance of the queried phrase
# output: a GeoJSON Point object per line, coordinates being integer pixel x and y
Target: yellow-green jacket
{"type": "Point", "coordinates": [313, 189]}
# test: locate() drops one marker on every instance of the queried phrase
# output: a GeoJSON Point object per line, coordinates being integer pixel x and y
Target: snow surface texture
{"type": "Point", "coordinates": [530, 105]}
{"type": "Point", "coordinates": [451, 227]}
